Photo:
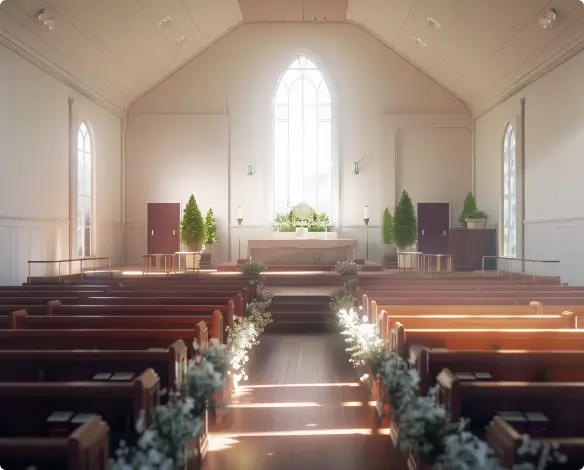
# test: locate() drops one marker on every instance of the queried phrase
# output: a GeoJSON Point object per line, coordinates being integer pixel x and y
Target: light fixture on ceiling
{"type": "Point", "coordinates": [549, 18]}
{"type": "Point", "coordinates": [420, 41]}
{"type": "Point", "coordinates": [165, 22]}
{"type": "Point", "coordinates": [433, 23]}
{"type": "Point", "coordinates": [45, 18]}
{"type": "Point", "coordinates": [180, 40]}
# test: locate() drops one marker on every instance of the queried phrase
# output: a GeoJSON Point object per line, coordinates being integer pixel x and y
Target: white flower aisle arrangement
{"type": "Point", "coordinates": [245, 332]}
{"type": "Point", "coordinates": [425, 428]}
{"type": "Point", "coordinates": [347, 268]}
{"type": "Point", "coordinates": [165, 437]}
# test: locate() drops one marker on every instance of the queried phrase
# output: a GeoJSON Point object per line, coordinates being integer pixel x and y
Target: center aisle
{"type": "Point", "coordinates": [302, 408]}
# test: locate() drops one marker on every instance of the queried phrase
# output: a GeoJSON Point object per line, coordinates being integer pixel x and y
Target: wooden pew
{"type": "Point", "coordinates": [20, 320]}
{"type": "Point", "coordinates": [85, 448]}
{"type": "Point", "coordinates": [68, 366]}
{"type": "Point", "coordinates": [505, 365]}
{"type": "Point", "coordinates": [490, 322]}
{"type": "Point", "coordinates": [27, 408]}
{"type": "Point", "coordinates": [84, 339]}
{"type": "Point", "coordinates": [403, 340]}
{"type": "Point", "coordinates": [505, 441]}
{"type": "Point", "coordinates": [480, 401]}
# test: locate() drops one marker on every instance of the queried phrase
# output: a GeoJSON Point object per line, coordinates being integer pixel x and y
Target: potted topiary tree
{"type": "Point", "coordinates": [387, 232]}
{"type": "Point", "coordinates": [210, 237]}
{"type": "Point", "coordinates": [192, 226]}
{"type": "Point", "coordinates": [471, 217]}
{"type": "Point", "coordinates": [405, 227]}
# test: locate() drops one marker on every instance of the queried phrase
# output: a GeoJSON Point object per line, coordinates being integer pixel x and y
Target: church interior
{"type": "Point", "coordinates": [291, 234]}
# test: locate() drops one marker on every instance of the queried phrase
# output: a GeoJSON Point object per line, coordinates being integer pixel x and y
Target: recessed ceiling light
{"type": "Point", "coordinates": [433, 23]}
{"type": "Point", "coordinates": [549, 18]}
{"type": "Point", "coordinates": [420, 41]}
{"type": "Point", "coordinates": [45, 18]}
{"type": "Point", "coordinates": [165, 22]}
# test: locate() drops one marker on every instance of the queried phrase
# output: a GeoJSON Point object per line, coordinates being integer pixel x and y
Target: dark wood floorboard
{"type": "Point", "coordinates": [302, 408]}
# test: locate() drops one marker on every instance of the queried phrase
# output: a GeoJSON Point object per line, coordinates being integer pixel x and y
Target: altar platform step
{"type": "Point", "coordinates": [301, 314]}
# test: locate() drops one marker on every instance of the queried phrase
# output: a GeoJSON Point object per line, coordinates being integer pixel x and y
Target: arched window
{"type": "Point", "coordinates": [303, 156]}
{"type": "Point", "coordinates": [509, 193]}
{"type": "Point", "coordinates": [84, 191]}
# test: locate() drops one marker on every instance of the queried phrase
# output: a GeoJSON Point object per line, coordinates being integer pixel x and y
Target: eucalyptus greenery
{"type": "Point", "coordinates": [347, 268]}
{"type": "Point", "coordinates": [426, 430]}
{"type": "Point", "coordinates": [163, 443]}
{"type": "Point", "coordinates": [342, 299]}
{"type": "Point", "coordinates": [252, 268]}
{"type": "Point", "coordinates": [245, 332]}
{"type": "Point", "coordinates": [291, 221]}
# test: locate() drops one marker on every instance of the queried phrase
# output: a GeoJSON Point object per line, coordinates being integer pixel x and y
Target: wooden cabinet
{"type": "Point", "coordinates": [468, 246]}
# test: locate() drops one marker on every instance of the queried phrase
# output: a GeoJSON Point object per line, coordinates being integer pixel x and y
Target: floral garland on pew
{"type": "Point", "coordinates": [424, 427]}
{"type": "Point", "coordinates": [245, 333]}
{"type": "Point", "coordinates": [163, 444]}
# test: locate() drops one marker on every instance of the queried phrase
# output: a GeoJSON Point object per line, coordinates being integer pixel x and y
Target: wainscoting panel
{"type": "Point", "coordinates": [557, 239]}
{"type": "Point", "coordinates": [22, 240]}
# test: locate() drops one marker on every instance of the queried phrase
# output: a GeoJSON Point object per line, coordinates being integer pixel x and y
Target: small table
{"type": "Point", "coordinates": [169, 261]}
{"type": "Point", "coordinates": [408, 259]}
{"type": "Point", "coordinates": [196, 259]}
{"type": "Point", "coordinates": [433, 262]}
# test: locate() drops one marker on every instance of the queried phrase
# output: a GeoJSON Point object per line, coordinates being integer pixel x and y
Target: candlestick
{"type": "Point", "coordinates": [239, 212]}
{"type": "Point", "coordinates": [366, 212]}
{"type": "Point", "coordinates": [239, 222]}
{"type": "Point", "coordinates": [366, 220]}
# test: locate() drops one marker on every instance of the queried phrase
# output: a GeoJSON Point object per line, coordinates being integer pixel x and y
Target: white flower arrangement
{"type": "Point", "coordinates": [342, 299]}
{"type": "Point", "coordinates": [425, 428]}
{"type": "Point", "coordinates": [364, 344]}
{"type": "Point", "coordinates": [163, 444]}
{"type": "Point", "coordinates": [245, 332]}
{"type": "Point", "coordinates": [347, 268]}
{"type": "Point", "coordinates": [252, 268]}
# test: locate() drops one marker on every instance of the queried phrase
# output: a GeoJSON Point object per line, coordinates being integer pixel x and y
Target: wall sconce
{"type": "Point", "coordinates": [249, 169]}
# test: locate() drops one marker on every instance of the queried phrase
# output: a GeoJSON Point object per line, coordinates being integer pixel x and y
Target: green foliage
{"type": "Point", "coordinates": [192, 225]}
{"type": "Point", "coordinates": [290, 222]}
{"type": "Point", "coordinates": [404, 221]}
{"type": "Point", "coordinates": [253, 268]}
{"type": "Point", "coordinates": [387, 228]}
{"type": "Point", "coordinates": [347, 268]}
{"type": "Point", "coordinates": [210, 228]}
{"type": "Point", "coordinates": [470, 210]}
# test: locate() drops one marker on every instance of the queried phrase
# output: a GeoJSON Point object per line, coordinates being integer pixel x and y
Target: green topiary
{"type": "Point", "coordinates": [192, 226]}
{"type": "Point", "coordinates": [387, 227]}
{"type": "Point", "coordinates": [469, 207]}
{"type": "Point", "coordinates": [210, 228]}
{"type": "Point", "coordinates": [404, 222]}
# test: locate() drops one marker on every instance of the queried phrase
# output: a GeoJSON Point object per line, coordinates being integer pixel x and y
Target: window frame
{"type": "Point", "coordinates": [324, 79]}
{"type": "Point", "coordinates": [509, 192]}
{"type": "Point", "coordinates": [84, 129]}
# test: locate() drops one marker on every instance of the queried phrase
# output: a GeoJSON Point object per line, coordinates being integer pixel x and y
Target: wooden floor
{"type": "Point", "coordinates": [302, 408]}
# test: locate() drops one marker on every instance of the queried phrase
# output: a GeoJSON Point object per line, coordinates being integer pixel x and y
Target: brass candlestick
{"type": "Point", "coordinates": [366, 220]}
{"type": "Point", "coordinates": [239, 222]}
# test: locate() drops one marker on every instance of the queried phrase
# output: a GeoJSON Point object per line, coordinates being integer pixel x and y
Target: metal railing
{"type": "Point", "coordinates": [71, 264]}
{"type": "Point", "coordinates": [524, 267]}
{"type": "Point", "coordinates": [436, 263]}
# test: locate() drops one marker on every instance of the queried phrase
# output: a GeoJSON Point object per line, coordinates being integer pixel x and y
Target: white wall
{"type": "Point", "coordinates": [34, 168]}
{"type": "Point", "coordinates": [554, 139]}
{"type": "Point", "coordinates": [375, 93]}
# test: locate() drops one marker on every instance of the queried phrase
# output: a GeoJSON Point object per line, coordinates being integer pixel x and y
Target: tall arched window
{"type": "Point", "coordinates": [303, 157]}
{"type": "Point", "coordinates": [509, 193]}
{"type": "Point", "coordinates": [84, 191]}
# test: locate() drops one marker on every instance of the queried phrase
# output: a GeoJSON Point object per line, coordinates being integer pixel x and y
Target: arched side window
{"type": "Point", "coordinates": [509, 193]}
{"type": "Point", "coordinates": [84, 190]}
{"type": "Point", "coordinates": [303, 154]}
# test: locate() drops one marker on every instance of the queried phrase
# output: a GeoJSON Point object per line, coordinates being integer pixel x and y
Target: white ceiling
{"type": "Point", "coordinates": [114, 50]}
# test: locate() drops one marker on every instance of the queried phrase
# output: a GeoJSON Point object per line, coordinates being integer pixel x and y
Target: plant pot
{"type": "Point", "coordinates": [405, 261]}
{"type": "Point", "coordinates": [195, 247]}
{"type": "Point", "coordinates": [476, 223]}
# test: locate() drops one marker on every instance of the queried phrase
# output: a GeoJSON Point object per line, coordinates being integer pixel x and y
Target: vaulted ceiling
{"type": "Point", "coordinates": [115, 50]}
